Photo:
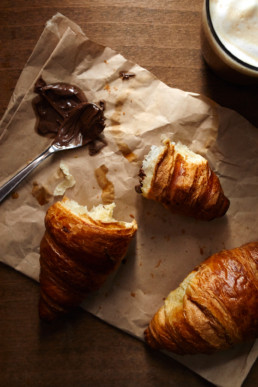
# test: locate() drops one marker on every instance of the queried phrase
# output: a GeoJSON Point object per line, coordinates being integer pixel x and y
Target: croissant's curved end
{"type": "Point", "coordinates": [45, 312]}
{"type": "Point", "coordinates": [205, 313]}
{"type": "Point", "coordinates": [150, 335]}
{"type": "Point", "coordinates": [149, 339]}
{"type": "Point", "coordinates": [78, 252]}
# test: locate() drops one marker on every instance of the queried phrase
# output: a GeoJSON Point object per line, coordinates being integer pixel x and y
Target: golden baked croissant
{"type": "Point", "coordinates": [182, 181]}
{"type": "Point", "coordinates": [79, 250]}
{"type": "Point", "coordinates": [215, 307]}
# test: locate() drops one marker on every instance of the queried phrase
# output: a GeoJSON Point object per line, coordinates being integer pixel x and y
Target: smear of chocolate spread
{"type": "Point", "coordinates": [65, 115]}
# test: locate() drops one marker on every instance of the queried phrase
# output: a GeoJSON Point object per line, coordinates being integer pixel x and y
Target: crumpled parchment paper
{"type": "Point", "coordinates": [139, 112]}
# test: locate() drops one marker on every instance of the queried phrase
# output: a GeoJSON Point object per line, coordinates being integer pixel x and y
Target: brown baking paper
{"type": "Point", "coordinates": [139, 113]}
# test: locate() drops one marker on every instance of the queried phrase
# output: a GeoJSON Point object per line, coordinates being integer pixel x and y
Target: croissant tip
{"type": "Point", "coordinates": [145, 333]}
{"type": "Point", "coordinates": [45, 312]}
{"type": "Point", "coordinates": [148, 338]}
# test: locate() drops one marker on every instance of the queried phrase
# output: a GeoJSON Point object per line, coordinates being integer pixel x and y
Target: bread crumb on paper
{"type": "Point", "coordinates": [67, 182]}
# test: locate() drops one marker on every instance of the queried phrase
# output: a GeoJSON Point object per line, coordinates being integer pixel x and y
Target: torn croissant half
{"type": "Point", "coordinates": [79, 250]}
{"type": "Point", "coordinates": [215, 307]}
{"type": "Point", "coordinates": [182, 181]}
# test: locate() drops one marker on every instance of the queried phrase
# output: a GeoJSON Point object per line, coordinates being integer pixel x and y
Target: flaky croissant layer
{"type": "Point", "coordinates": [182, 181]}
{"type": "Point", "coordinates": [79, 250]}
{"type": "Point", "coordinates": [215, 307]}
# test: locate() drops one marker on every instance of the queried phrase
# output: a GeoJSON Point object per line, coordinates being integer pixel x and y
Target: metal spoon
{"type": "Point", "coordinates": [83, 125]}
{"type": "Point", "coordinates": [9, 186]}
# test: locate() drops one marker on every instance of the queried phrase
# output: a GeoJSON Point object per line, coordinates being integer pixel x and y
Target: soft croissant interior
{"type": "Point", "coordinates": [151, 159]}
{"type": "Point", "coordinates": [102, 213]}
{"type": "Point", "coordinates": [175, 299]}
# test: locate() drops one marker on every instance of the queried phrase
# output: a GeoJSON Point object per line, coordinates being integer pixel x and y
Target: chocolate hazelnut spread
{"type": "Point", "coordinates": [138, 188]}
{"type": "Point", "coordinates": [66, 115]}
{"type": "Point", "coordinates": [84, 124]}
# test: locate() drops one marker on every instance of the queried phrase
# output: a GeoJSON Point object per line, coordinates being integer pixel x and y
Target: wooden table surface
{"type": "Point", "coordinates": [80, 350]}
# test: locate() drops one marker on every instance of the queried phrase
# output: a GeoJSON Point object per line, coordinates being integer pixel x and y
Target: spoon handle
{"type": "Point", "coordinates": [15, 180]}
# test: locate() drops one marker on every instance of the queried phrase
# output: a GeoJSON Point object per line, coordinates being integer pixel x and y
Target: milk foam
{"type": "Point", "coordinates": [236, 24]}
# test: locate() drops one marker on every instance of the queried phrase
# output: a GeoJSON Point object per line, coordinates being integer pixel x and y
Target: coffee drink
{"type": "Point", "coordinates": [229, 38]}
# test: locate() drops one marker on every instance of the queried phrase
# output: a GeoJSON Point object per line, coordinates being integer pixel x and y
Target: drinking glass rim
{"type": "Point", "coordinates": [224, 48]}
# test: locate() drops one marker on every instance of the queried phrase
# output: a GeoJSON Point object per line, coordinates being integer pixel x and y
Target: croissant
{"type": "Point", "coordinates": [182, 181]}
{"type": "Point", "coordinates": [78, 251]}
{"type": "Point", "coordinates": [215, 307]}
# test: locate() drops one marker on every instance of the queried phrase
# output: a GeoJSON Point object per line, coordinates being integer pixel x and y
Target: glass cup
{"type": "Point", "coordinates": [229, 39]}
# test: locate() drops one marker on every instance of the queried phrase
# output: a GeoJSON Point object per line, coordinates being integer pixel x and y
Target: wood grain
{"type": "Point", "coordinates": [162, 36]}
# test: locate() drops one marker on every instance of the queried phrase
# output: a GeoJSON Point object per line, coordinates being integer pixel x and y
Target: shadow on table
{"type": "Point", "coordinates": [240, 98]}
